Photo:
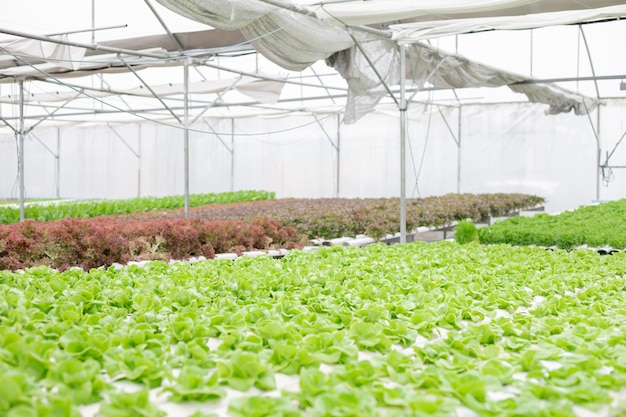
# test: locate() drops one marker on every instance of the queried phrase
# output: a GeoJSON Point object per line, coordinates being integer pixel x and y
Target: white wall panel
{"type": "Point", "coordinates": [505, 148]}
{"type": "Point", "coordinates": [516, 148]}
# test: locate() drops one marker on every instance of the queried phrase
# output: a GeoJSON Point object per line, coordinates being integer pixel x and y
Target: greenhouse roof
{"type": "Point", "coordinates": [304, 55]}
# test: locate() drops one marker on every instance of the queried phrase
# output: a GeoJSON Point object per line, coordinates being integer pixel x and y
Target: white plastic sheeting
{"type": "Point", "coordinates": [504, 148]}
{"type": "Point", "coordinates": [377, 11]}
{"type": "Point", "coordinates": [425, 63]}
{"type": "Point", "coordinates": [294, 38]}
{"type": "Point", "coordinates": [559, 99]}
{"type": "Point", "coordinates": [290, 39]}
{"type": "Point", "coordinates": [413, 32]}
{"type": "Point", "coordinates": [63, 56]}
{"type": "Point", "coordinates": [368, 62]}
{"type": "Point", "coordinates": [62, 66]}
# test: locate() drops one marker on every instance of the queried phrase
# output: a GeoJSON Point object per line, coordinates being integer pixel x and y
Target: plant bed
{"type": "Point", "coordinates": [90, 243]}
{"type": "Point", "coordinates": [92, 208]}
{"type": "Point", "coordinates": [599, 226]}
{"type": "Point", "coordinates": [386, 331]}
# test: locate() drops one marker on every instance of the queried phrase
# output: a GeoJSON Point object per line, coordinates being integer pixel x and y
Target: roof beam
{"type": "Point", "coordinates": [94, 47]}
{"type": "Point", "coordinates": [87, 30]}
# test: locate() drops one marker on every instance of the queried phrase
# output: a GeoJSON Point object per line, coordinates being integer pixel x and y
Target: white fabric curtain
{"type": "Point", "coordinates": [365, 88]}
{"type": "Point", "coordinates": [426, 64]}
{"type": "Point", "coordinates": [70, 62]}
{"type": "Point", "coordinates": [384, 11]}
{"type": "Point", "coordinates": [295, 40]}
{"type": "Point", "coordinates": [60, 56]}
{"type": "Point", "coordinates": [290, 39]}
{"type": "Point", "coordinates": [412, 32]}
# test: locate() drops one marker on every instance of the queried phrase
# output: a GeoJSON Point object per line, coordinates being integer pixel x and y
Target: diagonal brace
{"type": "Point", "coordinates": [130, 68]}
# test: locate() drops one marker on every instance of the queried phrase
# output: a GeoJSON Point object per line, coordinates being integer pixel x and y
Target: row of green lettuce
{"type": "Point", "coordinates": [499, 330]}
{"type": "Point", "coordinates": [47, 211]}
{"type": "Point", "coordinates": [595, 226]}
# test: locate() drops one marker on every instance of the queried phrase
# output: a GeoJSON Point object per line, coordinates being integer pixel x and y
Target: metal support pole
{"type": "Point", "coordinates": [186, 132]}
{"type": "Point", "coordinates": [154, 94]}
{"type": "Point", "coordinates": [593, 70]}
{"type": "Point", "coordinates": [338, 179]}
{"type": "Point", "coordinates": [93, 21]}
{"type": "Point", "coordinates": [167, 29]}
{"type": "Point", "coordinates": [458, 162]}
{"type": "Point", "coordinates": [531, 51]}
{"type": "Point", "coordinates": [373, 67]}
{"type": "Point", "coordinates": [599, 148]}
{"type": "Point", "coordinates": [596, 131]}
{"type": "Point", "coordinates": [20, 162]}
{"type": "Point", "coordinates": [139, 161]}
{"type": "Point", "coordinates": [57, 158]}
{"type": "Point", "coordinates": [403, 120]}
{"type": "Point", "coordinates": [232, 154]}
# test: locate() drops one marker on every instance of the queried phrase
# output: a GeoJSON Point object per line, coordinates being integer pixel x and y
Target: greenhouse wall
{"type": "Point", "coordinates": [503, 148]}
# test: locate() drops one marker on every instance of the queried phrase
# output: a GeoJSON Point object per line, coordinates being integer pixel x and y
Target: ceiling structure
{"type": "Point", "coordinates": [357, 38]}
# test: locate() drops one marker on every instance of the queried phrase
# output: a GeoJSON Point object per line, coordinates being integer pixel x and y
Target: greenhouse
{"type": "Point", "coordinates": [102, 112]}
{"type": "Point", "coordinates": [226, 208]}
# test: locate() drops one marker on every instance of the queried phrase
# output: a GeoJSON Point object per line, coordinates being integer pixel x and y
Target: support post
{"type": "Point", "coordinates": [57, 158]}
{"type": "Point", "coordinates": [403, 120]}
{"type": "Point", "coordinates": [20, 162]}
{"type": "Point", "coordinates": [186, 134]}
{"type": "Point", "coordinates": [599, 150]}
{"type": "Point", "coordinates": [532, 44]}
{"type": "Point", "coordinates": [458, 160]}
{"type": "Point", "coordinates": [338, 179]}
{"type": "Point", "coordinates": [93, 21]}
{"type": "Point", "coordinates": [232, 154]}
{"type": "Point", "coordinates": [139, 161]}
